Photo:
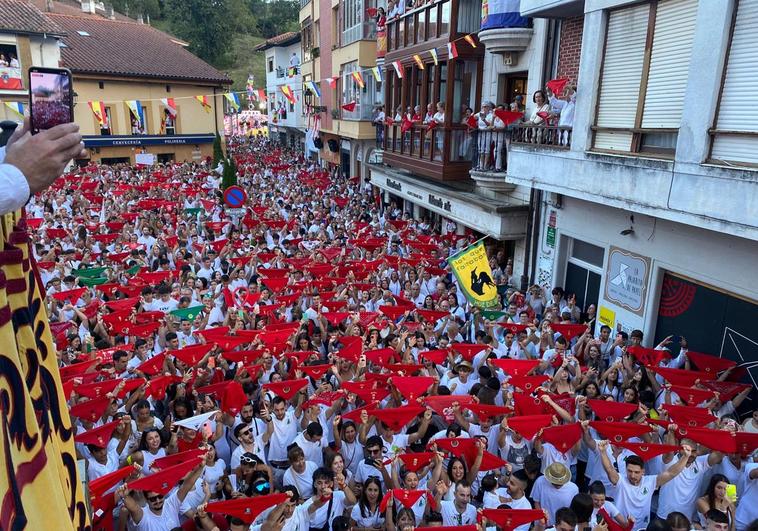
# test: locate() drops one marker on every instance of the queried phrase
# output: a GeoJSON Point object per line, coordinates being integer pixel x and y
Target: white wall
{"type": "Point", "coordinates": [45, 51]}
{"type": "Point", "coordinates": [281, 56]}
{"type": "Point", "coordinates": [720, 260]}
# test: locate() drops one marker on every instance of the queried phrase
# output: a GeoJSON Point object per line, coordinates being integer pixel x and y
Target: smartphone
{"type": "Point", "coordinates": [52, 101]}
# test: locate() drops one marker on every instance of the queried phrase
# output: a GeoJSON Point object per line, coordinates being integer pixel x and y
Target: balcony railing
{"type": "Point", "coordinates": [554, 136]}
{"type": "Point", "coordinates": [443, 153]}
{"type": "Point", "coordinates": [365, 30]}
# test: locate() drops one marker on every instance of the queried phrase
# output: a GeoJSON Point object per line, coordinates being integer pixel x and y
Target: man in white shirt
{"type": "Point", "coordinates": [748, 512]}
{"type": "Point", "coordinates": [313, 443]}
{"type": "Point", "coordinates": [634, 490]}
{"type": "Point", "coordinates": [554, 490]}
{"type": "Point", "coordinates": [280, 433]}
{"type": "Point", "coordinates": [327, 503]}
{"type": "Point", "coordinates": [300, 473]}
{"type": "Point", "coordinates": [459, 511]}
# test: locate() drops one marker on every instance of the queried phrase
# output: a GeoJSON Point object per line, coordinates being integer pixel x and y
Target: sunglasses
{"type": "Point", "coordinates": [260, 487]}
{"type": "Point", "coordinates": [156, 498]}
{"type": "Point", "coordinates": [246, 432]}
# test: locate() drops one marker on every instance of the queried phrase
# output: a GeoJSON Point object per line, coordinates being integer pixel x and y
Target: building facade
{"type": "Point", "coordinates": [645, 207]}
{"type": "Point", "coordinates": [339, 44]}
{"type": "Point", "coordinates": [283, 78]}
{"type": "Point", "coordinates": [94, 44]}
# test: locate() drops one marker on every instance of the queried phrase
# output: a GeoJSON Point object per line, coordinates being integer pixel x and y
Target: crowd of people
{"type": "Point", "coordinates": [313, 365]}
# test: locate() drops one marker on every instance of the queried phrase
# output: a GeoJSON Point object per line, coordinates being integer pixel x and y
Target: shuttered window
{"type": "Point", "coordinates": [738, 108]}
{"type": "Point", "coordinates": [642, 90]}
{"type": "Point", "coordinates": [621, 76]}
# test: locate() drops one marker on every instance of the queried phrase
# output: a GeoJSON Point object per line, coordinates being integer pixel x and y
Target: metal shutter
{"type": "Point", "coordinates": [669, 63]}
{"type": "Point", "coordinates": [621, 75]}
{"type": "Point", "coordinates": [738, 110]}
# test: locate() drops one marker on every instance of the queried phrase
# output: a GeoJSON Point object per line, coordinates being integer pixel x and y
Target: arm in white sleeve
{"type": "Point", "coordinates": [14, 189]}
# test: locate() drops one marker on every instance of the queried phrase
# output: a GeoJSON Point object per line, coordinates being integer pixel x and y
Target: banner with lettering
{"type": "Point", "coordinates": [472, 269]}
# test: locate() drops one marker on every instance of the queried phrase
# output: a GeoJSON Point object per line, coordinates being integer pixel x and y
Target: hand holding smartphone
{"type": "Point", "coordinates": [51, 100]}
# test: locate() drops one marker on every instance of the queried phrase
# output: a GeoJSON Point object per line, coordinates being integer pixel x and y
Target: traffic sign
{"type": "Point", "coordinates": [235, 196]}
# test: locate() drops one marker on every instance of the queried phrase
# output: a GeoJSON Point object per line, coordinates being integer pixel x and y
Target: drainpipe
{"type": "Point", "coordinates": [215, 111]}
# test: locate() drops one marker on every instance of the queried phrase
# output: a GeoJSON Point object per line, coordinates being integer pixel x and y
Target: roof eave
{"type": "Point", "coordinates": [107, 73]}
{"type": "Point", "coordinates": [54, 35]}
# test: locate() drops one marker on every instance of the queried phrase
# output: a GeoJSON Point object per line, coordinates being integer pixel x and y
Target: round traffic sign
{"type": "Point", "coordinates": [235, 196]}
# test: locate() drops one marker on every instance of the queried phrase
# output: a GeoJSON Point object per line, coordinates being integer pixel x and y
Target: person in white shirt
{"type": "Point", "coordinates": [634, 489]}
{"type": "Point", "coordinates": [329, 500]}
{"type": "Point", "coordinates": [300, 473]}
{"type": "Point", "coordinates": [281, 431]}
{"type": "Point", "coordinates": [748, 512]}
{"type": "Point", "coordinates": [459, 511]}
{"type": "Point", "coordinates": [313, 443]}
{"type": "Point", "coordinates": [554, 490]}
{"type": "Point", "coordinates": [161, 512]}
{"type": "Point", "coordinates": [484, 121]}
{"type": "Point", "coordinates": [462, 384]}
{"type": "Point", "coordinates": [603, 507]}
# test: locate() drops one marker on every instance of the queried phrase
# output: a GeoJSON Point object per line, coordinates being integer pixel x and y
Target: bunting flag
{"type": "Point", "coordinates": [98, 109]}
{"type": "Point", "coordinates": [310, 85]}
{"type": "Point", "coordinates": [470, 39]}
{"type": "Point", "coordinates": [452, 50]}
{"type": "Point", "coordinates": [358, 77]}
{"type": "Point", "coordinates": [135, 108]}
{"type": "Point", "coordinates": [377, 74]}
{"type": "Point", "coordinates": [419, 62]}
{"type": "Point", "coordinates": [502, 14]}
{"type": "Point", "coordinates": [287, 91]}
{"type": "Point", "coordinates": [399, 68]}
{"type": "Point", "coordinates": [234, 100]}
{"type": "Point", "coordinates": [16, 106]}
{"type": "Point", "coordinates": [204, 102]}
{"type": "Point", "coordinates": [349, 107]}
{"type": "Point", "coordinates": [332, 81]}
{"type": "Point", "coordinates": [262, 95]}
{"type": "Point", "coordinates": [433, 53]}
{"type": "Point", "coordinates": [170, 105]}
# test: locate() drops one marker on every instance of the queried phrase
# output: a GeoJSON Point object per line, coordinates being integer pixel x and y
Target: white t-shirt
{"type": "Point", "coordinates": [680, 493]}
{"type": "Point", "coordinates": [285, 431]}
{"type": "Point", "coordinates": [451, 516]}
{"type": "Point", "coordinates": [461, 388]}
{"type": "Point", "coordinates": [747, 512]}
{"type": "Point", "coordinates": [314, 451]}
{"type": "Point", "coordinates": [96, 470]}
{"type": "Point", "coordinates": [633, 500]}
{"type": "Point", "coordinates": [609, 507]}
{"type": "Point", "coordinates": [168, 519]}
{"type": "Point", "coordinates": [371, 520]}
{"type": "Point", "coordinates": [319, 517]}
{"type": "Point", "coordinates": [303, 482]}
{"type": "Point", "coordinates": [550, 498]}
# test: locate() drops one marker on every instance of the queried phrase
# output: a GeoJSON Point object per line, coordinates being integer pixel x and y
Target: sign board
{"type": "Point", "coordinates": [626, 279]}
{"type": "Point", "coordinates": [146, 159]}
{"type": "Point", "coordinates": [606, 316]}
{"type": "Point", "coordinates": [235, 197]}
{"type": "Point", "coordinates": [235, 212]}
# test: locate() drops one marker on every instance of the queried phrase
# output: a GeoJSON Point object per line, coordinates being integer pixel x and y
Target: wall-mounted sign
{"type": "Point", "coordinates": [626, 279]}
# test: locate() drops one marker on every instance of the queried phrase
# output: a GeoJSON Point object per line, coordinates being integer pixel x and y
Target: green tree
{"type": "Point", "coordinates": [275, 18]}
{"type": "Point", "coordinates": [134, 8]}
{"type": "Point", "coordinates": [218, 153]}
{"type": "Point", "coordinates": [229, 177]}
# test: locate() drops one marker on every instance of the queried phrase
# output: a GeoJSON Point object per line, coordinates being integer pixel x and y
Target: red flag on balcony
{"type": "Point", "coordinates": [371, 11]}
{"type": "Point", "coordinates": [471, 122]}
{"type": "Point", "coordinates": [557, 85]}
{"type": "Point", "coordinates": [406, 125]}
{"type": "Point", "coordinates": [349, 107]}
{"type": "Point", "coordinates": [508, 117]}
{"type": "Point", "coordinates": [431, 125]}
{"type": "Point", "coordinates": [452, 50]}
{"type": "Point", "coordinates": [389, 121]}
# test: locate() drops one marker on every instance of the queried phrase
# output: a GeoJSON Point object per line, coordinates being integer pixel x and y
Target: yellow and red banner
{"type": "Point", "coordinates": [358, 77]}
{"type": "Point", "coordinates": [204, 102]}
{"type": "Point", "coordinates": [287, 91]}
{"type": "Point", "coordinates": [419, 62]}
{"type": "Point", "coordinates": [98, 109]}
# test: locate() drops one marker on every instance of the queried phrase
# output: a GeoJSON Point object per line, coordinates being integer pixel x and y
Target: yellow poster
{"type": "Point", "coordinates": [472, 269]}
{"type": "Point", "coordinates": [607, 316]}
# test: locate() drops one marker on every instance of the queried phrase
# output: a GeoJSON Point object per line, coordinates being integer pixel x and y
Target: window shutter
{"type": "Point", "coordinates": [669, 63]}
{"type": "Point", "coordinates": [621, 76]}
{"type": "Point", "coordinates": [738, 109]}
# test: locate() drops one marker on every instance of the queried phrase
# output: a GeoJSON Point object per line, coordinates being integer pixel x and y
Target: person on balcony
{"type": "Point", "coordinates": [381, 32]}
{"type": "Point", "coordinates": [439, 121]}
{"type": "Point", "coordinates": [484, 123]}
{"type": "Point", "coordinates": [539, 116]}
{"type": "Point", "coordinates": [466, 137]}
{"type": "Point", "coordinates": [498, 134]}
{"type": "Point", "coordinates": [379, 118]}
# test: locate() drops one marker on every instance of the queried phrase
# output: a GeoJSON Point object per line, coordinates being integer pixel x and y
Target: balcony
{"type": "Point", "coordinates": [506, 40]}
{"type": "Point", "coordinates": [554, 137]}
{"type": "Point", "coordinates": [552, 8]}
{"type": "Point", "coordinates": [442, 153]}
{"type": "Point", "coordinates": [432, 25]}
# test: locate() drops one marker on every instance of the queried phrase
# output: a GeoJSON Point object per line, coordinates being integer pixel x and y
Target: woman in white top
{"type": "Point", "coordinates": [151, 447]}
{"type": "Point", "coordinates": [366, 515]}
{"type": "Point", "coordinates": [540, 105]}
{"type": "Point", "coordinates": [439, 119]}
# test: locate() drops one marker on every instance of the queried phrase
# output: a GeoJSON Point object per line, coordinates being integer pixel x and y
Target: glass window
{"type": "Point", "coordinates": [586, 252]}
{"type": "Point", "coordinates": [401, 34]}
{"type": "Point", "coordinates": [469, 15]}
{"type": "Point", "coordinates": [432, 29]}
{"type": "Point", "coordinates": [464, 88]}
{"type": "Point", "coordinates": [442, 94]}
{"type": "Point", "coordinates": [107, 127]}
{"type": "Point", "coordinates": [412, 29]}
{"type": "Point", "coordinates": [445, 18]}
{"type": "Point", "coordinates": [421, 26]}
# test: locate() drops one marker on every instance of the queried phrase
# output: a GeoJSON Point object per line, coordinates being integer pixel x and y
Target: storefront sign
{"type": "Point", "coordinates": [626, 279]}
{"type": "Point", "coordinates": [439, 203]}
{"type": "Point", "coordinates": [394, 185]}
{"type": "Point", "coordinates": [145, 140]}
{"type": "Point", "coordinates": [606, 316]}
{"type": "Point", "coordinates": [550, 237]}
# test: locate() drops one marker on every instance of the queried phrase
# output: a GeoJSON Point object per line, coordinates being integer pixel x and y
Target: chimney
{"type": "Point", "coordinates": [88, 6]}
{"type": "Point", "coordinates": [109, 12]}
{"type": "Point", "coordinates": [49, 6]}
{"type": "Point", "coordinates": [148, 19]}
{"type": "Point", "coordinates": [140, 20]}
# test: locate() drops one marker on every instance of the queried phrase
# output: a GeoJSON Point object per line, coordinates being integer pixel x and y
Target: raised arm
{"type": "Point", "coordinates": [674, 470]}
{"type": "Point", "coordinates": [613, 475]}
{"type": "Point", "coordinates": [415, 437]}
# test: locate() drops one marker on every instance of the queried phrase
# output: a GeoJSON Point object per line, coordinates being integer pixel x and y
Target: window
{"type": "Point", "coordinates": [83, 33]}
{"type": "Point", "coordinates": [366, 98]}
{"type": "Point", "coordinates": [464, 88]}
{"type": "Point", "coordinates": [10, 68]}
{"type": "Point", "coordinates": [271, 64]}
{"type": "Point", "coordinates": [588, 253]}
{"type": "Point", "coordinates": [736, 133]}
{"type": "Point", "coordinates": [107, 127]}
{"type": "Point", "coordinates": [642, 95]}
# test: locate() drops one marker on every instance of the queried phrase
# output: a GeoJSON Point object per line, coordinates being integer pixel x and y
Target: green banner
{"type": "Point", "coordinates": [188, 313]}
{"type": "Point", "coordinates": [89, 273]}
{"type": "Point", "coordinates": [472, 269]}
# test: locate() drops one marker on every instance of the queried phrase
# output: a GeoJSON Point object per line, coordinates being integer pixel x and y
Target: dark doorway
{"type": "Point", "coordinates": [165, 158]}
{"type": "Point", "coordinates": [511, 85]}
{"type": "Point", "coordinates": [584, 283]}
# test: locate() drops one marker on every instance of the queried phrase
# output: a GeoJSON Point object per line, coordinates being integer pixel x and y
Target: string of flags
{"type": "Point", "coordinates": [232, 97]}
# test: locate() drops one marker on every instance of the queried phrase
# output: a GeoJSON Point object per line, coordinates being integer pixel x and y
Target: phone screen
{"type": "Point", "coordinates": [50, 99]}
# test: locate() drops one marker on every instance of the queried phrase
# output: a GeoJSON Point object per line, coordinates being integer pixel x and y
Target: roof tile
{"type": "Point", "coordinates": [21, 17]}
